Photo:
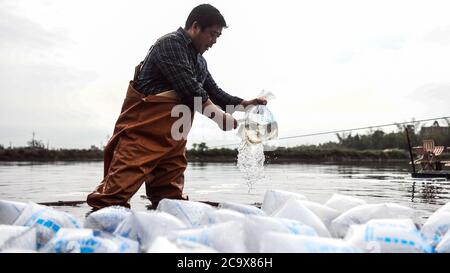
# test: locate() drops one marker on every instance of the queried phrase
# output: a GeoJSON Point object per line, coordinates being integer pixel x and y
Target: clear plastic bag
{"type": "Point", "coordinates": [437, 225]}
{"type": "Point", "coordinates": [47, 221]}
{"type": "Point", "coordinates": [294, 209]}
{"type": "Point", "coordinates": [259, 124]}
{"type": "Point", "coordinates": [388, 236]}
{"type": "Point", "coordinates": [16, 238]}
{"type": "Point", "coordinates": [144, 226]}
{"type": "Point", "coordinates": [107, 219]}
{"type": "Point", "coordinates": [343, 203]}
{"type": "Point", "coordinates": [221, 216]}
{"type": "Point", "coordinates": [163, 245]}
{"type": "Point", "coordinates": [244, 209]}
{"type": "Point", "coordinates": [69, 240]}
{"type": "Point", "coordinates": [444, 244]}
{"type": "Point", "coordinates": [189, 212]}
{"type": "Point", "coordinates": [10, 211]}
{"type": "Point", "coordinates": [256, 228]}
{"type": "Point", "coordinates": [275, 199]}
{"type": "Point", "coordinates": [363, 213]}
{"type": "Point", "coordinates": [275, 242]}
{"type": "Point", "coordinates": [225, 237]}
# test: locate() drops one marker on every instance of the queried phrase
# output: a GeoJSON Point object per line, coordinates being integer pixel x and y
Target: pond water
{"type": "Point", "coordinates": [218, 182]}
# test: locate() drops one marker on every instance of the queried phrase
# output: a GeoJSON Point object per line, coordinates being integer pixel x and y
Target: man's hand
{"type": "Point", "coordinates": [257, 101]}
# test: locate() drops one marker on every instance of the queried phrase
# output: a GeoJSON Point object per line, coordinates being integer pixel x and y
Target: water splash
{"type": "Point", "coordinates": [258, 127]}
{"type": "Point", "coordinates": [250, 161]}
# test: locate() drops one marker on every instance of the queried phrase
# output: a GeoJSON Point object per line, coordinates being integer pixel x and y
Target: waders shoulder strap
{"type": "Point", "coordinates": [138, 68]}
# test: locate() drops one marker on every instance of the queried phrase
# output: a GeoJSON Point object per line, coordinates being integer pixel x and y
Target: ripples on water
{"type": "Point", "coordinates": [220, 182]}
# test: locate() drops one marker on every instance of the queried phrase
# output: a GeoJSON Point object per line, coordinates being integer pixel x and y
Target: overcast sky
{"type": "Point", "coordinates": [65, 65]}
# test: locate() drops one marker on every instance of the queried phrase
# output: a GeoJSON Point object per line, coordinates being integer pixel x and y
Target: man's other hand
{"type": "Point", "coordinates": [257, 101]}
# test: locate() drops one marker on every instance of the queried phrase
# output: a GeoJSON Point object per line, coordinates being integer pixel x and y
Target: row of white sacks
{"type": "Point", "coordinates": [287, 222]}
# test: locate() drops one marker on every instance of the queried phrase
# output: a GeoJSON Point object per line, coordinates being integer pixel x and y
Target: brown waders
{"type": "Point", "coordinates": [142, 150]}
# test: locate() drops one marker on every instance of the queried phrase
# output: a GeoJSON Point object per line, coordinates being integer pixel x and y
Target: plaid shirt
{"type": "Point", "coordinates": [174, 64]}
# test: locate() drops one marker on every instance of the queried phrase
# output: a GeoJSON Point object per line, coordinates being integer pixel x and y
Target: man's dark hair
{"type": "Point", "coordinates": [206, 16]}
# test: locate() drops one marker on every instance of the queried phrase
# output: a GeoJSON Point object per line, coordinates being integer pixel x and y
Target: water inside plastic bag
{"type": "Point", "coordinates": [259, 125]}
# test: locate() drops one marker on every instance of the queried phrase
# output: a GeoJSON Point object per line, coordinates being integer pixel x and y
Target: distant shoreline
{"type": "Point", "coordinates": [375, 147]}
{"type": "Point", "coordinates": [285, 155]}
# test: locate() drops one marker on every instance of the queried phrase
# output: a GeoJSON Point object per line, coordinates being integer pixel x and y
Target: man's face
{"type": "Point", "coordinates": [206, 38]}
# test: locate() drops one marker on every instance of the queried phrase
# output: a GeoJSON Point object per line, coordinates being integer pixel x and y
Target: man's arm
{"type": "Point", "coordinates": [217, 95]}
{"type": "Point", "coordinates": [222, 98]}
{"type": "Point", "coordinates": [225, 121]}
{"type": "Point", "coordinates": [173, 62]}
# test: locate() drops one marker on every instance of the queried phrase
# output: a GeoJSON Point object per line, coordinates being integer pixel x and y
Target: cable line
{"type": "Point", "coordinates": [346, 130]}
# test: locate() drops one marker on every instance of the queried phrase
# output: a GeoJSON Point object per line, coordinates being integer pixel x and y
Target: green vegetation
{"type": "Point", "coordinates": [375, 146]}
{"type": "Point", "coordinates": [43, 154]}
{"type": "Point", "coordinates": [379, 140]}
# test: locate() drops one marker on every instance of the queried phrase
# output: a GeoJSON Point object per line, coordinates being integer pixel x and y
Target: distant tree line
{"type": "Point", "coordinates": [37, 152]}
{"type": "Point", "coordinates": [379, 140]}
{"type": "Point", "coordinates": [372, 146]}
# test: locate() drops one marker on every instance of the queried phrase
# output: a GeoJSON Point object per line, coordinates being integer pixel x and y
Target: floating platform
{"type": "Point", "coordinates": [431, 175]}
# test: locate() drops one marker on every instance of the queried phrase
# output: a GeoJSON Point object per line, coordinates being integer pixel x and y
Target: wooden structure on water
{"type": "Point", "coordinates": [429, 163]}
